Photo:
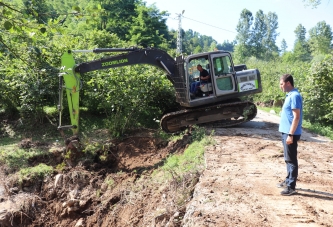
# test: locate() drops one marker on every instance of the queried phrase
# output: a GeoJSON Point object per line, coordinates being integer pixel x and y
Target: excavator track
{"type": "Point", "coordinates": [218, 115]}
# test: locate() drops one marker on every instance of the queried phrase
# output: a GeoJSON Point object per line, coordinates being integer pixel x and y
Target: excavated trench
{"type": "Point", "coordinates": [113, 188]}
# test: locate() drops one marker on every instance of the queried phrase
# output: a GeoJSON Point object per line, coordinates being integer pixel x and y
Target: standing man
{"type": "Point", "coordinates": [291, 129]}
{"type": "Point", "coordinates": [204, 78]}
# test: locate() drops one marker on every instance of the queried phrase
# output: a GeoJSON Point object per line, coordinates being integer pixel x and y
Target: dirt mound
{"type": "Point", "coordinates": [115, 189]}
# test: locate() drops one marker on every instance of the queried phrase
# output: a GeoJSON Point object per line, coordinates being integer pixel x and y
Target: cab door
{"type": "Point", "coordinates": [222, 74]}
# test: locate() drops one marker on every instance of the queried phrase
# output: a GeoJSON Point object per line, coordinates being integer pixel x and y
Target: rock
{"type": "Point", "coordinates": [58, 179]}
{"type": "Point", "coordinates": [82, 203]}
{"type": "Point", "coordinates": [79, 223]}
{"type": "Point", "coordinates": [73, 194]}
{"type": "Point", "coordinates": [71, 202]}
{"type": "Point", "coordinates": [72, 209]}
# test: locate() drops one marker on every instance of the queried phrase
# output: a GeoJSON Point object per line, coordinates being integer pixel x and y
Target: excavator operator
{"type": "Point", "coordinates": [204, 79]}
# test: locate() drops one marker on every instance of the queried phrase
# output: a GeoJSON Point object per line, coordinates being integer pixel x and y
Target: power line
{"type": "Point", "coordinates": [204, 24]}
{"type": "Point", "coordinates": [210, 25]}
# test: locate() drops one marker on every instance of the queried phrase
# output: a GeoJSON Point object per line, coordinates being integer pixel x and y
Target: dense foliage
{"type": "Point", "coordinates": [317, 89]}
{"type": "Point", "coordinates": [35, 33]}
{"type": "Point", "coordinates": [313, 79]}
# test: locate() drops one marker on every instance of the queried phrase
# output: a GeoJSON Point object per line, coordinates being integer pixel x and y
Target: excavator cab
{"type": "Point", "coordinates": [226, 82]}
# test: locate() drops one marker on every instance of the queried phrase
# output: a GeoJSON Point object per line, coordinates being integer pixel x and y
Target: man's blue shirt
{"type": "Point", "coordinates": [293, 101]}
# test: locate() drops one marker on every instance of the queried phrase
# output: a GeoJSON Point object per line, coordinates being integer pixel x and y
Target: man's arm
{"type": "Point", "coordinates": [294, 124]}
{"type": "Point", "coordinates": [205, 75]}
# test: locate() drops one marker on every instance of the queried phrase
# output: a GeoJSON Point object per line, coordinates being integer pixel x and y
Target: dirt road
{"type": "Point", "coordinates": [238, 187]}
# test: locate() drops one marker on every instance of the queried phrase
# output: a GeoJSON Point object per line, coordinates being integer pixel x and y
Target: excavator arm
{"type": "Point", "coordinates": [155, 57]}
{"type": "Point", "coordinates": [71, 73]}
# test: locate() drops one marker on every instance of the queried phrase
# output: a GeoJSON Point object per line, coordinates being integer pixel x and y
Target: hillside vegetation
{"type": "Point", "coordinates": [34, 36]}
{"type": "Point", "coordinates": [128, 167]}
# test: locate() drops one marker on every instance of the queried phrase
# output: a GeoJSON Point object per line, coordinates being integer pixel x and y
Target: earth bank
{"type": "Point", "coordinates": [237, 187]}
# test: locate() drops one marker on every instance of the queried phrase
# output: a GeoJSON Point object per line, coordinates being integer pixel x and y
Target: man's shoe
{"type": "Point", "coordinates": [288, 191]}
{"type": "Point", "coordinates": [282, 185]}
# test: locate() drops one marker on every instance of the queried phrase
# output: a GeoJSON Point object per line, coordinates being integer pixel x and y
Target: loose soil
{"type": "Point", "coordinates": [237, 187]}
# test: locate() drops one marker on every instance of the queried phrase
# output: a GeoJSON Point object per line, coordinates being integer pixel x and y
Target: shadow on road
{"type": "Point", "coordinates": [315, 194]}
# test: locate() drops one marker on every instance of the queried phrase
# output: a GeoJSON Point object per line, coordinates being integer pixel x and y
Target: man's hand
{"type": "Point", "coordinates": [289, 140]}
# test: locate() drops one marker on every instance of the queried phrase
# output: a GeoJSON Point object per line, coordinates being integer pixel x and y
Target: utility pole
{"type": "Point", "coordinates": [179, 34]}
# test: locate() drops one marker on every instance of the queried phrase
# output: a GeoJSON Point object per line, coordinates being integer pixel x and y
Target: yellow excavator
{"type": "Point", "coordinates": [217, 102]}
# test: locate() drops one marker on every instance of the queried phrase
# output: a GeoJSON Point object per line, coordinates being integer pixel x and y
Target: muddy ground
{"type": "Point", "coordinates": [237, 187]}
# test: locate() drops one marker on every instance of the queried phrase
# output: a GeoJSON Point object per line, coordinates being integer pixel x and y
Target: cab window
{"type": "Point", "coordinates": [222, 65]}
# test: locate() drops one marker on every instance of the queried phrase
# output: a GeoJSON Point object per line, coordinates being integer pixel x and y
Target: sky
{"type": "Point", "coordinates": [219, 18]}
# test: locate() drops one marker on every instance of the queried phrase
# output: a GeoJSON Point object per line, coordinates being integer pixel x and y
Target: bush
{"type": "Point", "coordinates": [317, 92]}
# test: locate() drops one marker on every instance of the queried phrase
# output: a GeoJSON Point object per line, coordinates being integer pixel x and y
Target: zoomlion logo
{"type": "Point", "coordinates": [115, 62]}
{"type": "Point", "coordinates": [246, 86]}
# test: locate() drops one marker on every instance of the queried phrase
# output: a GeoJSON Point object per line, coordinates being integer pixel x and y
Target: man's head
{"type": "Point", "coordinates": [286, 82]}
{"type": "Point", "coordinates": [199, 67]}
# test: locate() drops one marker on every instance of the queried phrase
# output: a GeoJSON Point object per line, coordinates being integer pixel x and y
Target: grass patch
{"type": "Point", "coordinates": [110, 182]}
{"type": "Point", "coordinates": [38, 171]}
{"type": "Point", "coordinates": [16, 158]}
{"type": "Point", "coordinates": [8, 143]}
{"type": "Point", "coordinates": [319, 129]}
{"type": "Point", "coordinates": [190, 160]}
{"type": "Point", "coordinates": [197, 133]}
{"type": "Point", "coordinates": [193, 157]}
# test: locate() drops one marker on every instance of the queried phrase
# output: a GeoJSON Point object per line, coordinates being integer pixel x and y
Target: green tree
{"type": "Point", "coordinates": [194, 42]}
{"type": "Point", "coordinates": [61, 7]}
{"type": "Point", "coordinates": [257, 40]}
{"type": "Point", "coordinates": [320, 38]}
{"type": "Point", "coordinates": [301, 48]}
{"type": "Point", "coordinates": [149, 27]}
{"type": "Point", "coordinates": [300, 33]}
{"type": "Point", "coordinates": [288, 56]}
{"type": "Point", "coordinates": [40, 9]}
{"type": "Point", "coordinates": [301, 52]}
{"type": "Point", "coordinates": [227, 46]}
{"type": "Point", "coordinates": [213, 46]}
{"type": "Point", "coordinates": [243, 38]}
{"type": "Point", "coordinates": [271, 49]}
{"type": "Point", "coordinates": [190, 40]}
{"type": "Point", "coordinates": [258, 36]}
{"type": "Point", "coordinates": [284, 46]}
{"type": "Point", "coordinates": [117, 16]}
{"type": "Point", "coordinates": [317, 90]}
